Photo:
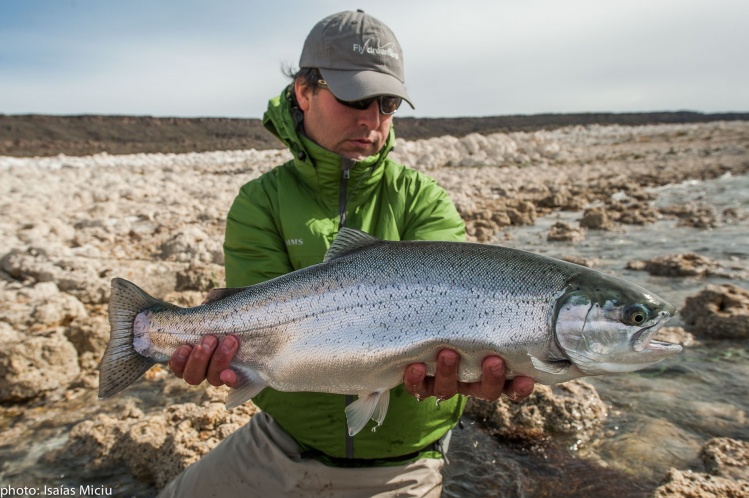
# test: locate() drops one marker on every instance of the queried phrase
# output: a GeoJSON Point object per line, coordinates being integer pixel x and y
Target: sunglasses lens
{"type": "Point", "coordinates": [360, 104]}
{"type": "Point", "coordinates": [388, 105]}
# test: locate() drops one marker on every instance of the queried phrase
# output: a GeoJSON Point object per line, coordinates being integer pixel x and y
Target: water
{"type": "Point", "coordinates": [659, 417]}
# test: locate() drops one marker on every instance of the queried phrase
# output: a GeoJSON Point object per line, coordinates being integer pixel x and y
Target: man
{"type": "Point", "coordinates": [336, 118]}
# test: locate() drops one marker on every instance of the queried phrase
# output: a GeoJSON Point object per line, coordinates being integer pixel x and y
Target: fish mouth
{"type": "Point", "coordinates": [642, 340]}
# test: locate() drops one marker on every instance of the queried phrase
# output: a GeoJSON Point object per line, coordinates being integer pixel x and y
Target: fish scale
{"type": "Point", "coordinates": [352, 324]}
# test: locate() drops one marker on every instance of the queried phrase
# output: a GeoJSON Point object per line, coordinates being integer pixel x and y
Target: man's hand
{"type": "Point", "coordinates": [206, 361]}
{"type": "Point", "coordinates": [445, 383]}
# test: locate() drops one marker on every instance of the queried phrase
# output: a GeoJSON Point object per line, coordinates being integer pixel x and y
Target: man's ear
{"type": "Point", "coordinates": [303, 93]}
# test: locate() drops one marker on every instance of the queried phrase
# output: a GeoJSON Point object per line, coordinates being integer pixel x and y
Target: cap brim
{"type": "Point", "coordinates": [358, 85]}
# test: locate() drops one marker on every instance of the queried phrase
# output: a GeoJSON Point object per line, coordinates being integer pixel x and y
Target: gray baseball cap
{"type": "Point", "coordinates": [357, 55]}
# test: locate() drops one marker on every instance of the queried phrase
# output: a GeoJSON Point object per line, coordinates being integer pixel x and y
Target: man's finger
{"type": "Point", "coordinates": [221, 359]}
{"type": "Point", "coordinates": [492, 379]}
{"type": "Point", "coordinates": [414, 380]}
{"type": "Point", "coordinates": [197, 363]}
{"type": "Point", "coordinates": [179, 359]}
{"type": "Point", "coordinates": [520, 388]}
{"type": "Point", "coordinates": [446, 377]}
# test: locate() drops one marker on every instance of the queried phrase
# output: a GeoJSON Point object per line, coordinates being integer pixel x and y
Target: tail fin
{"type": "Point", "coordinates": [121, 364]}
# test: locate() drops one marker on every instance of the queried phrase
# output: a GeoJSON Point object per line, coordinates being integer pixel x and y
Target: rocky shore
{"type": "Point", "coordinates": [71, 223]}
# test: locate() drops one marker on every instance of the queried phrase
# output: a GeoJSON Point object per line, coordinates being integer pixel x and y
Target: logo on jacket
{"type": "Point", "coordinates": [372, 46]}
{"type": "Point", "coordinates": [294, 242]}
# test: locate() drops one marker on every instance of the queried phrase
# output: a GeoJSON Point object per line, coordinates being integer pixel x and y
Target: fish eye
{"type": "Point", "coordinates": [635, 314]}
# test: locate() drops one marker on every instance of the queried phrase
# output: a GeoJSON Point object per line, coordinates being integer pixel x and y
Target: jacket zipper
{"type": "Point", "coordinates": [346, 165]}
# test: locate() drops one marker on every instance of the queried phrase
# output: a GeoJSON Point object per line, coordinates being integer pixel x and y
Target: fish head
{"type": "Point", "coordinates": [604, 324]}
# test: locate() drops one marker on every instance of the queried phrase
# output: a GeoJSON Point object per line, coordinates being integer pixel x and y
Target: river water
{"type": "Point", "coordinates": [659, 417]}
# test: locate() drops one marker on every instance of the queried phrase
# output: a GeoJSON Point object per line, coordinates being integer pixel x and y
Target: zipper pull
{"type": "Point", "coordinates": [346, 165]}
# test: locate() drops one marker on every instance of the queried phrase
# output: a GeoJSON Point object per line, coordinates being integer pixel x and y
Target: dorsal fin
{"type": "Point", "coordinates": [217, 294]}
{"type": "Point", "coordinates": [349, 240]}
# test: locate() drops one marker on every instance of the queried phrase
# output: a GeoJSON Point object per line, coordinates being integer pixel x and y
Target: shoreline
{"type": "Point", "coordinates": [30, 135]}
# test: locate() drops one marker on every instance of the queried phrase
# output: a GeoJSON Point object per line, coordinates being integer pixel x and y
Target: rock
{"type": "Point", "coordinates": [60, 309]}
{"type": "Point", "coordinates": [77, 277]}
{"type": "Point", "coordinates": [200, 278]}
{"type": "Point", "coordinates": [688, 484]}
{"type": "Point", "coordinates": [572, 409]}
{"type": "Point", "coordinates": [558, 197]}
{"type": "Point", "coordinates": [675, 335]}
{"type": "Point", "coordinates": [154, 448]}
{"type": "Point", "coordinates": [634, 213]}
{"type": "Point", "coordinates": [727, 458]}
{"type": "Point", "coordinates": [89, 334]}
{"type": "Point", "coordinates": [718, 312]}
{"type": "Point", "coordinates": [564, 232]}
{"type": "Point", "coordinates": [193, 244]}
{"type": "Point", "coordinates": [523, 213]}
{"type": "Point", "coordinates": [40, 307]}
{"type": "Point", "coordinates": [693, 214]}
{"type": "Point", "coordinates": [36, 365]}
{"type": "Point", "coordinates": [682, 265]}
{"type": "Point", "coordinates": [581, 260]}
{"type": "Point", "coordinates": [186, 299]}
{"type": "Point", "coordinates": [596, 218]}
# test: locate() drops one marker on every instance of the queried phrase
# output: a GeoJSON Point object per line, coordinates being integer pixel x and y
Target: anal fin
{"type": "Point", "coordinates": [372, 405]}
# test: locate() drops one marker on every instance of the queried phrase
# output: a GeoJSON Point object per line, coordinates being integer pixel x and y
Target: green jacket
{"type": "Point", "coordinates": [286, 219]}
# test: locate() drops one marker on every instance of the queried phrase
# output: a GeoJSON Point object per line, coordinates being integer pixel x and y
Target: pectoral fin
{"type": "Point", "coordinates": [554, 367]}
{"type": "Point", "coordinates": [250, 384]}
{"type": "Point", "coordinates": [369, 405]}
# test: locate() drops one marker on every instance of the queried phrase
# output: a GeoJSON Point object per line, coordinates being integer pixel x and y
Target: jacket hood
{"type": "Point", "coordinates": [319, 168]}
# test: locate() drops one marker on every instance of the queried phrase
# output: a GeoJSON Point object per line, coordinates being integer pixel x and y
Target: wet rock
{"type": "Point", "coordinates": [559, 197]}
{"type": "Point", "coordinates": [726, 457]}
{"type": "Point", "coordinates": [718, 312]}
{"type": "Point", "coordinates": [693, 214]}
{"type": "Point", "coordinates": [675, 335]}
{"type": "Point", "coordinates": [154, 448]}
{"type": "Point", "coordinates": [564, 232]}
{"type": "Point", "coordinates": [35, 365]}
{"type": "Point", "coordinates": [581, 260]}
{"type": "Point", "coordinates": [571, 409]}
{"type": "Point", "coordinates": [522, 213]}
{"type": "Point", "coordinates": [733, 215]}
{"type": "Point", "coordinates": [596, 218]}
{"type": "Point", "coordinates": [688, 484]}
{"type": "Point", "coordinates": [684, 265]}
{"type": "Point", "coordinates": [635, 213]}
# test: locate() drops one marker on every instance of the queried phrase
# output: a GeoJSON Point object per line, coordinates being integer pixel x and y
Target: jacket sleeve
{"type": "Point", "coordinates": [430, 214]}
{"type": "Point", "coordinates": [254, 250]}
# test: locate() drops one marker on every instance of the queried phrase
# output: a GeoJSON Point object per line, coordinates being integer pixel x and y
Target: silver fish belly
{"type": "Point", "coordinates": [351, 324]}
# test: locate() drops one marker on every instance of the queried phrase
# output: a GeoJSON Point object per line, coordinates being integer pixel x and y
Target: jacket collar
{"type": "Point", "coordinates": [319, 168]}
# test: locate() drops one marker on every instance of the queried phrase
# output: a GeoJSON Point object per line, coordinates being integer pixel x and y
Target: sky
{"type": "Point", "coordinates": [224, 58]}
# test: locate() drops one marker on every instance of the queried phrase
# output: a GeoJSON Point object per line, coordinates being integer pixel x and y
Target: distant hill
{"type": "Point", "coordinates": [45, 135]}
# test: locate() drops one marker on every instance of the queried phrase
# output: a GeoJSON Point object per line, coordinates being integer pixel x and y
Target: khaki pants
{"type": "Point", "coordinates": [261, 460]}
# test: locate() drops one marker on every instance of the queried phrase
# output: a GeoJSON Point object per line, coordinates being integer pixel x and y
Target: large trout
{"type": "Point", "coordinates": [351, 324]}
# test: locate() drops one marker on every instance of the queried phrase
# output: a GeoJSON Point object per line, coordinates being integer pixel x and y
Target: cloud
{"type": "Point", "coordinates": [194, 58]}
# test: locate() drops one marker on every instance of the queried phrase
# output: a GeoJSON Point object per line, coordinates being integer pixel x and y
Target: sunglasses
{"type": "Point", "coordinates": [388, 104]}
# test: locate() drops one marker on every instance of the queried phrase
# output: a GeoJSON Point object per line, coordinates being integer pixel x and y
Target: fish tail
{"type": "Point", "coordinates": [121, 364]}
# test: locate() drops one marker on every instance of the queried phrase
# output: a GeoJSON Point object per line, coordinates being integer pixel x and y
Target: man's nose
{"type": "Point", "coordinates": [370, 117]}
